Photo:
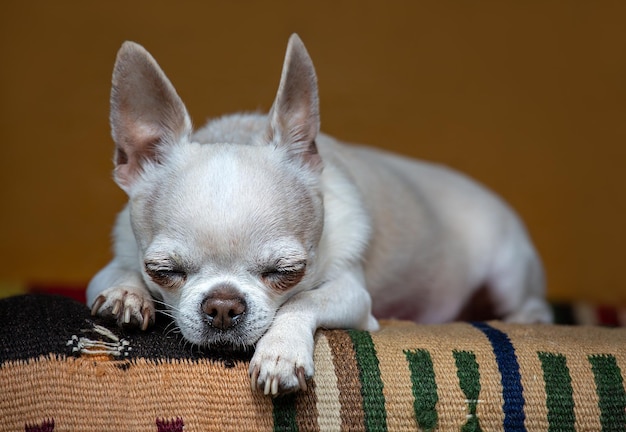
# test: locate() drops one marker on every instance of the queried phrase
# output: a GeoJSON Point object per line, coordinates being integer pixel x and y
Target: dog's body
{"type": "Point", "coordinates": [259, 230]}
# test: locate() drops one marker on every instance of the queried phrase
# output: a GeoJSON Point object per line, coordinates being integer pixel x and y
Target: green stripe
{"type": "Point", "coordinates": [559, 392]}
{"type": "Point", "coordinates": [285, 413]}
{"type": "Point", "coordinates": [371, 384]}
{"type": "Point", "coordinates": [610, 390]}
{"type": "Point", "coordinates": [424, 388]}
{"type": "Point", "coordinates": [469, 381]}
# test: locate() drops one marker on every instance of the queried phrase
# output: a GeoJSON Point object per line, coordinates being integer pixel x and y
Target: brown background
{"type": "Point", "coordinates": [527, 97]}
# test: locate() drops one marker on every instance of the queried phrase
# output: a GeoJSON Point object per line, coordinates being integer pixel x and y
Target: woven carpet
{"type": "Point", "coordinates": [62, 370]}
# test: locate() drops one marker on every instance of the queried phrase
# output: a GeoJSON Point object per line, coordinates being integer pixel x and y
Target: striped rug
{"type": "Point", "coordinates": [454, 377]}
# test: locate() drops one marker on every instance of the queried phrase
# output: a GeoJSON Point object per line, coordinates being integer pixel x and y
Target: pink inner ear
{"type": "Point", "coordinates": [138, 143]}
{"type": "Point", "coordinates": [121, 158]}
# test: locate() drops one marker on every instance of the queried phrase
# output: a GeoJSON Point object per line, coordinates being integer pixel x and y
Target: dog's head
{"type": "Point", "coordinates": [228, 230]}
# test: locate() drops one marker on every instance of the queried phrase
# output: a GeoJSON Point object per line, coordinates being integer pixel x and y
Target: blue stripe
{"type": "Point", "coordinates": [512, 390]}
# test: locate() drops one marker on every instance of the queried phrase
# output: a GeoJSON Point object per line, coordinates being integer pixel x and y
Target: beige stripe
{"type": "Point", "coordinates": [396, 377]}
{"type": "Point", "coordinates": [489, 410]}
{"type": "Point", "coordinates": [585, 397]}
{"type": "Point", "coordinates": [328, 405]}
{"type": "Point", "coordinates": [208, 396]}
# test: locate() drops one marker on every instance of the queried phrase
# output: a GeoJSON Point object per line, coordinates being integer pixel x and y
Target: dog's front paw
{"type": "Point", "coordinates": [281, 364]}
{"type": "Point", "coordinates": [126, 305]}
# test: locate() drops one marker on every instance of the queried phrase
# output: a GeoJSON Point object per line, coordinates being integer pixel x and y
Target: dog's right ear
{"type": "Point", "coordinates": [147, 114]}
{"type": "Point", "coordinates": [294, 119]}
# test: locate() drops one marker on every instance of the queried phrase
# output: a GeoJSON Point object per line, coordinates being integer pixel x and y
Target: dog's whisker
{"type": "Point", "coordinates": [167, 314]}
{"type": "Point", "coordinates": [167, 305]}
{"type": "Point", "coordinates": [171, 328]}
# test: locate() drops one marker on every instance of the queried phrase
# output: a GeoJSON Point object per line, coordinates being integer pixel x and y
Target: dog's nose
{"type": "Point", "coordinates": [223, 308]}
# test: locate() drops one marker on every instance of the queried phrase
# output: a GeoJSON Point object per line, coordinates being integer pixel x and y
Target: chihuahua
{"type": "Point", "coordinates": [256, 230]}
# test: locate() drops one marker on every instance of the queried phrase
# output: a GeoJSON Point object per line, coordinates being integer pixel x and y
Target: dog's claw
{"type": "Point", "coordinates": [127, 315]}
{"type": "Point", "coordinates": [127, 306]}
{"type": "Point", "coordinates": [97, 304]}
{"type": "Point", "coordinates": [254, 379]}
{"type": "Point", "coordinates": [278, 367]}
{"type": "Point", "coordinates": [116, 308]}
{"type": "Point", "coordinates": [268, 386]}
{"type": "Point", "coordinates": [272, 385]}
{"type": "Point", "coordinates": [301, 379]}
{"type": "Point", "coordinates": [146, 319]}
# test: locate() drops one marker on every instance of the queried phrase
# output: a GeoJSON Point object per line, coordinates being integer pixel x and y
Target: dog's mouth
{"type": "Point", "coordinates": [226, 347]}
{"type": "Point", "coordinates": [239, 337]}
{"type": "Point", "coordinates": [230, 339]}
{"type": "Point", "coordinates": [223, 351]}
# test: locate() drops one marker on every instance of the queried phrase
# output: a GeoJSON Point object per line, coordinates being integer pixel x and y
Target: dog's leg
{"type": "Point", "coordinates": [119, 293]}
{"type": "Point", "coordinates": [283, 358]}
{"type": "Point", "coordinates": [517, 286]}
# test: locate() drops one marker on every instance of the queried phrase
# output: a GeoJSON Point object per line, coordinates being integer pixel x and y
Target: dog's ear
{"type": "Point", "coordinates": [147, 114]}
{"type": "Point", "coordinates": [294, 120]}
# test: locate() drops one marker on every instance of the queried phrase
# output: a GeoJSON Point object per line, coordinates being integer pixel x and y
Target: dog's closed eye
{"type": "Point", "coordinates": [281, 276]}
{"type": "Point", "coordinates": [165, 273]}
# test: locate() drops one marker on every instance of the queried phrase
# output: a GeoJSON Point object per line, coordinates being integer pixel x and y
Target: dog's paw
{"type": "Point", "coordinates": [126, 305]}
{"type": "Point", "coordinates": [532, 311]}
{"type": "Point", "coordinates": [281, 365]}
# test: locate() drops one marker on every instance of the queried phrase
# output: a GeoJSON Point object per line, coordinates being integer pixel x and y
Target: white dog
{"type": "Point", "coordinates": [257, 230]}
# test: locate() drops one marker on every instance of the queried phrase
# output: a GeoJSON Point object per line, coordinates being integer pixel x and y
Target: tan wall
{"type": "Point", "coordinates": [528, 97]}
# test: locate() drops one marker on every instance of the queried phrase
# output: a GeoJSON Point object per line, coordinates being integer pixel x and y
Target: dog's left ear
{"type": "Point", "coordinates": [294, 120]}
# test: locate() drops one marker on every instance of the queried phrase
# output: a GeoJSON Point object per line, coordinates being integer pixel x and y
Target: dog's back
{"type": "Point", "coordinates": [464, 238]}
